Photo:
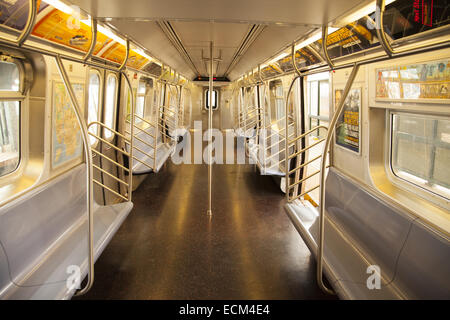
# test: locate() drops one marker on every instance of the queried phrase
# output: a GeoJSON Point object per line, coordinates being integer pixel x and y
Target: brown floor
{"type": "Point", "coordinates": [168, 248]}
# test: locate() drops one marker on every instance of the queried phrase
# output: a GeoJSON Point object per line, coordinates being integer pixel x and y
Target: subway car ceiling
{"type": "Point", "coordinates": [337, 112]}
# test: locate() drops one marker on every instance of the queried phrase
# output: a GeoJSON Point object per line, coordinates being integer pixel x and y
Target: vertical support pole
{"type": "Point", "coordinates": [132, 111]}
{"type": "Point", "coordinates": [89, 174]}
{"type": "Point", "coordinates": [330, 133]}
{"type": "Point", "coordinates": [210, 111]}
{"type": "Point", "coordinates": [286, 138]}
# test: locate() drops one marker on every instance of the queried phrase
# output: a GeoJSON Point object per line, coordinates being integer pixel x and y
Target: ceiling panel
{"type": "Point", "coordinates": [226, 23]}
{"type": "Point", "coordinates": [196, 37]}
{"type": "Point", "coordinates": [150, 35]}
{"type": "Point", "coordinates": [271, 41]}
{"type": "Point", "coordinates": [249, 11]}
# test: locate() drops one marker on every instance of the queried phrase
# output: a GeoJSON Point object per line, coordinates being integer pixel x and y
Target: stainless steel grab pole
{"type": "Point", "coordinates": [89, 176]}
{"type": "Point", "coordinates": [93, 39]}
{"type": "Point", "coordinates": [130, 160]}
{"type": "Point", "coordinates": [332, 128]}
{"type": "Point", "coordinates": [325, 47]}
{"type": "Point", "coordinates": [210, 129]}
{"type": "Point", "coordinates": [286, 136]}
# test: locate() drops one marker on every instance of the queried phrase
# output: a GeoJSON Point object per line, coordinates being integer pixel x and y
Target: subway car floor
{"type": "Point", "coordinates": [169, 248]}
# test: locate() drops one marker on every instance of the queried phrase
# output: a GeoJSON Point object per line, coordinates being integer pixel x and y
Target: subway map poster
{"type": "Point", "coordinates": [66, 137]}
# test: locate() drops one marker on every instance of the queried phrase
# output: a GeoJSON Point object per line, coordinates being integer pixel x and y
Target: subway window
{"type": "Point", "coordinates": [9, 118]}
{"type": "Point", "coordinates": [94, 100]}
{"type": "Point", "coordinates": [214, 99]}
{"type": "Point", "coordinates": [318, 102]}
{"type": "Point", "coordinates": [420, 152]}
{"type": "Point", "coordinates": [110, 105]}
{"type": "Point", "coordinates": [140, 101]}
{"type": "Point", "coordinates": [279, 101]}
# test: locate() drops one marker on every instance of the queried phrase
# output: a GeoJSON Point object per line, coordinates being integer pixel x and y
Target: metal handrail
{"type": "Point", "coordinates": [140, 129]}
{"type": "Point", "coordinates": [101, 124]}
{"type": "Point", "coordinates": [286, 133]}
{"type": "Point", "coordinates": [390, 51]}
{"type": "Point", "coordinates": [109, 189]}
{"type": "Point", "coordinates": [133, 108]}
{"type": "Point", "coordinates": [107, 142]}
{"type": "Point", "coordinates": [306, 149]}
{"type": "Point", "coordinates": [31, 20]}
{"type": "Point", "coordinates": [104, 126]}
{"type": "Point", "coordinates": [307, 133]}
{"type": "Point", "coordinates": [330, 133]}
{"type": "Point", "coordinates": [296, 69]}
{"type": "Point", "coordinates": [110, 160]}
{"type": "Point", "coordinates": [325, 47]}
{"type": "Point", "coordinates": [89, 173]}
{"type": "Point", "coordinates": [93, 39]}
{"type": "Point", "coordinates": [111, 175]}
{"type": "Point", "coordinates": [127, 55]}
{"type": "Point", "coordinates": [143, 162]}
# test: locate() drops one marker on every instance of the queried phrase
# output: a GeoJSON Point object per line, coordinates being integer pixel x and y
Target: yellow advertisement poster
{"type": "Point", "coordinates": [58, 27]}
{"type": "Point", "coordinates": [428, 81]}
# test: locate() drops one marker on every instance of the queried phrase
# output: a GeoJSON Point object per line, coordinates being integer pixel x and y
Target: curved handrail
{"type": "Point", "coordinates": [286, 135]}
{"type": "Point", "coordinates": [28, 28]}
{"type": "Point", "coordinates": [127, 55]}
{"type": "Point", "coordinates": [93, 39]}
{"type": "Point", "coordinates": [325, 46]}
{"type": "Point", "coordinates": [296, 69]}
{"type": "Point", "coordinates": [332, 128]}
{"type": "Point", "coordinates": [89, 173]}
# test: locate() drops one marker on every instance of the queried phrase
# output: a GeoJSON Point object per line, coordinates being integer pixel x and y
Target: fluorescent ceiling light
{"type": "Point", "coordinates": [142, 53]}
{"type": "Point", "coordinates": [364, 11]}
{"type": "Point", "coordinates": [107, 32]}
{"type": "Point", "coordinates": [279, 57]}
{"type": "Point", "coordinates": [314, 38]}
{"type": "Point", "coordinates": [61, 6]}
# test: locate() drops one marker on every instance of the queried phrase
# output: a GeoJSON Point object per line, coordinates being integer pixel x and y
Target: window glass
{"type": "Point", "coordinates": [110, 105]}
{"type": "Point", "coordinates": [214, 99]}
{"type": "Point", "coordinates": [9, 136]}
{"type": "Point", "coordinates": [314, 98]}
{"type": "Point", "coordinates": [324, 98]}
{"type": "Point", "coordinates": [319, 103]}
{"type": "Point", "coordinates": [9, 77]}
{"type": "Point", "coordinates": [140, 101]}
{"type": "Point", "coordinates": [93, 106]}
{"type": "Point", "coordinates": [421, 151]}
{"type": "Point", "coordinates": [403, 18]}
{"type": "Point", "coordinates": [279, 101]}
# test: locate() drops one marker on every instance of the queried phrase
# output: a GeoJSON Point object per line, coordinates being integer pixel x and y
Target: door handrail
{"type": "Point", "coordinates": [89, 173]}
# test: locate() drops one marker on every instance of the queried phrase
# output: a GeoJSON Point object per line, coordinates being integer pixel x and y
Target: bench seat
{"type": "Point", "coordinates": [362, 230]}
{"type": "Point", "coordinates": [45, 231]}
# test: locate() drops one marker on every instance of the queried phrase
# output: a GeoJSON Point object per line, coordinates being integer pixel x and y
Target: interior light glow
{"type": "Point", "coordinates": [364, 11]}
{"type": "Point", "coordinates": [61, 6]}
{"type": "Point", "coordinates": [314, 38]}
{"type": "Point", "coordinates": [142, 53]}
{"type": "Point", "coordinates": [107, 32]}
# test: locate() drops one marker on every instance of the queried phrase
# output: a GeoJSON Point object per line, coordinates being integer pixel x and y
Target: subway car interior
{"type": "Point", "coordinates": [224, 150]}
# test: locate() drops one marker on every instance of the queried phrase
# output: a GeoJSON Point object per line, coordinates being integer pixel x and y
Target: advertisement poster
{"type": "Point", "coordinates": [66, 137]}
{"type": "Point", "coordinates": [348, 128]}
{"type": "Point", "coordinates": [426, 81]}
